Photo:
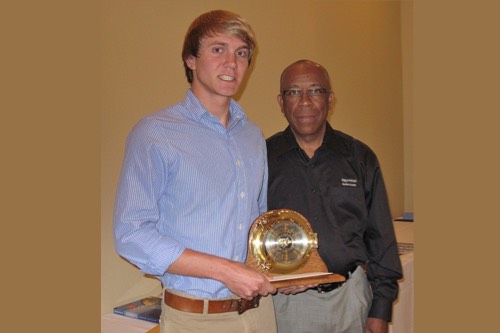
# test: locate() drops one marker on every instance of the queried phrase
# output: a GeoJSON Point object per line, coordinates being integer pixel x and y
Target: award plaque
{"type": "Point", "coordinates": [282, 245]}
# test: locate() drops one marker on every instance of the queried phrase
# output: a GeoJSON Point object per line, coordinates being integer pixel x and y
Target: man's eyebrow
{"type": "Point", "coordinates": [221, 43]}
{"type": "Point", "coordinates": [296, 86]}
{"type": "Point", "coordinates": [217, 43]}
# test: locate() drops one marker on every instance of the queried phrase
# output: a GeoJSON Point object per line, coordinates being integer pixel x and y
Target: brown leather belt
{"type": "Point", "coordinates": [186, 304]}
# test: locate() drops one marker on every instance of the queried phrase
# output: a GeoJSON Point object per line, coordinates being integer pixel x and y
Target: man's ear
{"type": "Point", "coordinates": [191, 62]}
{"type": "Point", "coordinates": [331, 98]}
{"type": "Point", "coordinates": [280, 101]}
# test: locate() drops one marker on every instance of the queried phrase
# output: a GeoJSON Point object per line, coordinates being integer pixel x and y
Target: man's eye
{"type": "Point", "coordinates": [293, 92]}
{"type": "Point", "coordinates": [242, 53]}
{"type": "Point", "coordinates": [316, 92]}
{"type": "Point", "coordinates": [217, 49]}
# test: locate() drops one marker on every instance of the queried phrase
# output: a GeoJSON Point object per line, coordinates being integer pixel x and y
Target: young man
{"type": "Point", "coordinates": [193, 180]}
{"type": "Point", "coordinates": [335, 181]}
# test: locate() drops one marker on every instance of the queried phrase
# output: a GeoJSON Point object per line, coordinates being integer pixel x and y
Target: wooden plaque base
{"type": "Point", "coordinates": [314, 271]}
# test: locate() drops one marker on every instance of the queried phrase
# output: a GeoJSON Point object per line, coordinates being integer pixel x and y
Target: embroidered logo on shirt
{"type": "Point", "coordinates": [349, 182]}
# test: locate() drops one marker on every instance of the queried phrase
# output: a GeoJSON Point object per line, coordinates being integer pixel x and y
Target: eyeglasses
{"type": "Point", "coordinates": [295, 94]}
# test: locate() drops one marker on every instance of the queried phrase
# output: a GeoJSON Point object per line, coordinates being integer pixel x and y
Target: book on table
{"type": "Point", "coordinates": [148, 308]}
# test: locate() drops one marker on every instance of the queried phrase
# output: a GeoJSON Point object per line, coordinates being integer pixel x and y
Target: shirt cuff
{"type": "Point", "coordinates": [381, 308]}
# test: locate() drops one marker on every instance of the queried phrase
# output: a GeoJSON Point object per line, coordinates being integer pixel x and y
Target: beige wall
{"type": "Point", "coordinates": [364, 44]}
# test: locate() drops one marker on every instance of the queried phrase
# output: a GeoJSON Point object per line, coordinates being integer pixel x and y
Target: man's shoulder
{"type": "Point", "coordinates": [253, 127]}
{"type": "Point", "coordinates": [173, 113]}
{"type": "Point", "coordinates": [352, 143]}
{"type": "Point", "coordinates": [277, 143]}
{"type": "Point", "coordinates": [154, 123]}
{"type": "Point", "coordinates": [275, 138]}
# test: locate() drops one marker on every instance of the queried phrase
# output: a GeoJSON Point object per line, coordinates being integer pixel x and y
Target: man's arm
{"type": "Point", "coordinates": [142, 181]}
{"type": "Point", "coordinates": [384, 268]}
{"type": "Point", "coordinates": [375, 325]}
{"type": "Point", "coordinates": [241, 279]}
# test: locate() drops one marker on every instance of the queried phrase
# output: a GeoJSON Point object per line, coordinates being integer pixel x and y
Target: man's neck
{"type": "Point", "coordinates": [310, 143]}
{"type": "Point", "coordinates": [216, 104]}
{"type": "Point", "coordinates": [309, 147]}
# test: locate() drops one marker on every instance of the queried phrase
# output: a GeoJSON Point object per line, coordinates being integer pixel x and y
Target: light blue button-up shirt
{"type": "Point", "coordinates": [187, 182]}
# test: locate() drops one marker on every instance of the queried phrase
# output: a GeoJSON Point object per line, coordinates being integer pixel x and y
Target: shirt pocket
{"type": "Point", "coordinates": [348, 203]}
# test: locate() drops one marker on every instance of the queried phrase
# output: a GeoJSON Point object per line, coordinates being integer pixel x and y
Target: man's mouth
{"type": "Point", "coordinates": [227, 78]}
{"type": "Point", "coordinates": [305, 118]}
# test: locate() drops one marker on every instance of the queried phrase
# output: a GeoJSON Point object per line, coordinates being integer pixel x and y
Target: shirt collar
{"type": "Point", "coordinates": [329, 138]}
{"type": "Point", "coordinates": [198, 111]}
{"type": "Point", "coordinates": [287, 141]}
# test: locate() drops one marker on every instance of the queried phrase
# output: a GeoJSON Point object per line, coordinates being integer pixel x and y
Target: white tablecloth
{"type": "Point", "coordinates": [402, 316]}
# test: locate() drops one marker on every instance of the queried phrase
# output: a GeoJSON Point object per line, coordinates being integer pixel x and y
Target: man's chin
{"type": "Point", "coordinates": [228, 92]}
{"type": "Point", "coordinates": [306, 130]}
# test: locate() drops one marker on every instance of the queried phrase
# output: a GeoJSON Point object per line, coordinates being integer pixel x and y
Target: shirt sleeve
{"type": "Point", "coordinates": [384, 269]}
{"type": "Point", "coordinates": [142, 181]}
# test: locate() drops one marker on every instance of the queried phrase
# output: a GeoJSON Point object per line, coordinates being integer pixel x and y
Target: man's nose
{"type": "Point", "coordinates": [305, 99]}
{"type": "Point", "coordinates": [231, 61]}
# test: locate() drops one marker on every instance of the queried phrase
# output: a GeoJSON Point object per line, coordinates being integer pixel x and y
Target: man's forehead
{"type": "Point", "coordinates": [296, 77]}
{"type": "Point", "coordinates": [223, 39]}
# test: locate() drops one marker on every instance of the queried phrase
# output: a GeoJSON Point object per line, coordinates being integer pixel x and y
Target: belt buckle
{"type": "Point", "coordinates": [320, 289]}
{"type": "Point", "coordinates": [327, 287]}
{"type": "Point", "coordinates": [244, 305]}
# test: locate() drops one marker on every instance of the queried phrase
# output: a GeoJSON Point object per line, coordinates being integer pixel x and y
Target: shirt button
{"type": "Point", "coordinates": [238, 162]}
{"type": "Point", "coordinates": [242, 195]}
{"type": "Point", "coordinates": [240, 227]}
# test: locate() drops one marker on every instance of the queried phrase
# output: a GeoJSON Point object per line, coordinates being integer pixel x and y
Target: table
{"type": "Point", "coordinates": [402, 318]}
{"type": "Point", "coordinates": [114, 323]}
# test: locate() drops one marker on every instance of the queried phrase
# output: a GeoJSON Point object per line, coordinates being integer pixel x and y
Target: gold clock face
{"type": "Point", "coordinates": [281, 241]}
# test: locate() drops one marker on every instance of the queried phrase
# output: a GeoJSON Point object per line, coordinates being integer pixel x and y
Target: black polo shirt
{"type": "Point", "coordinates": [342, 194]}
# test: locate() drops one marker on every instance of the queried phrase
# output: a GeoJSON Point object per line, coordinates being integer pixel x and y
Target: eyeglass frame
{"type": "Point", "coordinates": [312, 93]}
